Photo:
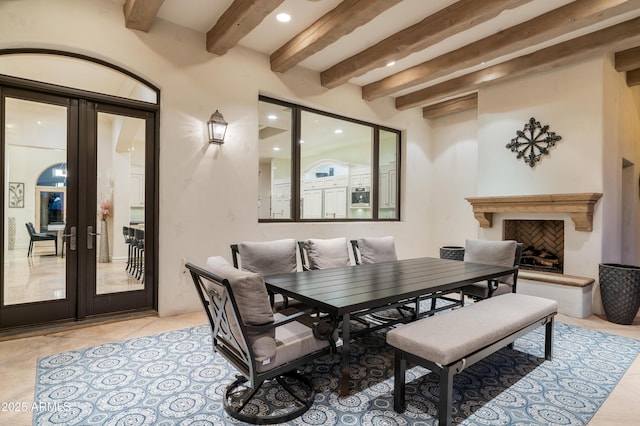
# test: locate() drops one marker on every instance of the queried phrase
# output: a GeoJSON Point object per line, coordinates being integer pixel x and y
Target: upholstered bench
{"type": "Point", "coordinates": [449, 342]}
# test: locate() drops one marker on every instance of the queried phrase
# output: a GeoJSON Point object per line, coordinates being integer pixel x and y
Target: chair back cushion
{"type": "Point", "coordinates": [499, 253]}
{"type": "Point", "coordinates": [375, 250]}
{"type": "Point", "coordinates": [251, 303]}
{"type": "Point", "coordinates": [269, 258]}
{"type": "Point", "coordinates": [329, 253]}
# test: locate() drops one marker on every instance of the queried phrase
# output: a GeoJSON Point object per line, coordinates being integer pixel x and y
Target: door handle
{"type": "Point", "coordinates": [90, 235]}
{"type": "Point", "coordinates": [72, 238]}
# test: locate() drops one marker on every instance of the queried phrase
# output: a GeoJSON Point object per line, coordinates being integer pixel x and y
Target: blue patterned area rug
{"type": "Point", "coordinates": [175, 379]}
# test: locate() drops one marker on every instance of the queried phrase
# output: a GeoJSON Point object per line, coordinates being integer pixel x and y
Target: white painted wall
{"type": "Point", "coordinates": [597, 115]}
{"type": "Point", "coordinates": [453, 159]}
{"type": "Point", "coordinates": [208, 193]}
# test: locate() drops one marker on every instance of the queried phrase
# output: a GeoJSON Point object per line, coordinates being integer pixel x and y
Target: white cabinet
{"type": "Point", "coordinates": [387, 188]}
{"type": "Point", "coordinates": [136, 190]}
{"type": "Point", "coordinates": [335, 203]}
{"type": "Point", "coordinates": [281, 201]}
{"type": "Point", "coordinates": [312, 203]}
{"type": "Point", "coordinates": [325, 198]}
{"type": "Point", "coordinates": [360, 180]}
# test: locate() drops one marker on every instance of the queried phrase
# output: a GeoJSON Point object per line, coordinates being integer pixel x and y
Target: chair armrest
{"type": "Point", "coordinates": [261, 328]}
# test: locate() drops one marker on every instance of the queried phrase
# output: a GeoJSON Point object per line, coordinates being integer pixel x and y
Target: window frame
{"type": "Point", "coordinates": [296, 190]}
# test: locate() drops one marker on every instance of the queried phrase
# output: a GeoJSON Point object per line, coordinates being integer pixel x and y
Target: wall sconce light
{"type": "Point", "coordinates": [217, 128]}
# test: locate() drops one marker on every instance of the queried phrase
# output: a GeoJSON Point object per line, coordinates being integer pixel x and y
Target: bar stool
{"type": "Point", "coordinates": [139, 240]}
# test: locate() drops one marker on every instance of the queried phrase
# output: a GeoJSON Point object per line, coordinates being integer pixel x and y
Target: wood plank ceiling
{"type": "Point", "coordinates": [447, 82]}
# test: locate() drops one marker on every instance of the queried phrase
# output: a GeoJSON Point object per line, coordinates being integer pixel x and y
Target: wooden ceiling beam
{"type": "Point", "coordinates": [628, 60]}
{"type": "Point", "coordinates": [346, 17]}
{"type": "Point", "coordinates": [139, 14]}
{"type": "Point", "coordinates": [633, 77]}
{"type": "Point", "coordinates": [236, 22]}
{"type": "Point", "coordinates": [571, 17]}
{"type": "Point", "coordinates": [620, 36]}
{"type": "Point", "coordinates": [447, 22]}
{"type": "Point", "coordinates": [451, 106]}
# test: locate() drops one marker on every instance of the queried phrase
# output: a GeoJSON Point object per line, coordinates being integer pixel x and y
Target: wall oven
{"type": "Point", "coordinates": [361, 196]}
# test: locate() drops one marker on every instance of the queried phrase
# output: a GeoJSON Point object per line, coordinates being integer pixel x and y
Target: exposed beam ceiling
{"type": "Point", "coordinates": [451, 106]}
{"type": "Point", "coordinates": [139, 14]}
{"type": "Point", "coordinates": [236, 22]}
{"type": "Point", "coordinates": [433, 29]}
{"type": "Point", "coordinates": [444, 50]}
{"type": "Point", "coordinates": [620, 36]}
{"type": "Point", "coordinates": [628, 60]}
{"type": "Point", "coordinates": [543, 28]}
{"type": "Point", "coordinates": [349, 15]}
{"type": "Point", "coordinates": [633, 77]}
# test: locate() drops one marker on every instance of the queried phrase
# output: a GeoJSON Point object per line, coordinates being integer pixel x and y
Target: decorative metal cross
{"type": "Point", "coordinates": [533, 142]}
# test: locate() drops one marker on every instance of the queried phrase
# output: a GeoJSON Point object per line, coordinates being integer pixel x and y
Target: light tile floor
{"type": "Point", "coordinates": [18, 363]}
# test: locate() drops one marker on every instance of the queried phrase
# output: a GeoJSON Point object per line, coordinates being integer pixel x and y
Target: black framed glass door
{"type": "Point", "coordinates": [77, 236]}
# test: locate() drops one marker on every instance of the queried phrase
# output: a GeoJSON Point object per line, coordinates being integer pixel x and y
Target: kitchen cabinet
{"type": "Point", "coordinates": [136, 190]}
{"type": "Point", "coordinates": [312, 203]}
{"type": "Point", "coordinates": [335, 203]}
{"type": "Point", "coordinates": [388, 185]}
{"type": "Point", "coordinates": [360, 178]}
{"type": "Point", "coordinates": [325, 197]}
{"type": "Point", "coordinates": [281, 201]}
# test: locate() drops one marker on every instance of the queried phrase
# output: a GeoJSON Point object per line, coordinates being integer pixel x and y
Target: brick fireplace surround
{"type": "Point", "coordinates": [573, 293]}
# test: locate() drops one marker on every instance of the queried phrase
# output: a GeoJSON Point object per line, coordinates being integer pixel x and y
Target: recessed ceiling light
{"type": "Point", "coordinates": [276, 148]}
{"type": "Point", "coordinates": [338, 131]}
{"type": "Point", "coordinates": [272, 116]}
{"type": "Point", "coordinates": [283, 17]}
{"type": "Point", "coordinates": [392, 63]}
{"type": "Point", "coordinates": [301, 141]}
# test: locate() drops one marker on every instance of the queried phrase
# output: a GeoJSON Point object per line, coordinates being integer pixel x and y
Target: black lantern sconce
{"type": "Point", "coordinates": [217, 128]}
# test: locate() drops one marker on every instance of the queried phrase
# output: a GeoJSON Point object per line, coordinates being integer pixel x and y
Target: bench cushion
{"type": "Point", "coordinates": [451, 336]}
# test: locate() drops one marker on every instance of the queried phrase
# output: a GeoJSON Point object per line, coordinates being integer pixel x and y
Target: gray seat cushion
{"type": "Point", "coordinates": [377, 249]}
{"type": "Point", "coordinates": [293, 340]}
{"type": "Point", "coordinates": [329, 253]}
{"type": "Point", "coordinates": [252, 300]}
{"type": "Point", "coordinates": [499, 253]}
{"type": "Point", "coordinates": [270, 257]}
{"type": "Point", "coordinates": [451, 336]}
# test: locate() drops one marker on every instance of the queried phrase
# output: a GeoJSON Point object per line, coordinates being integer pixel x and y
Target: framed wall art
{"type": "Point", "coordinates": [16, 195]}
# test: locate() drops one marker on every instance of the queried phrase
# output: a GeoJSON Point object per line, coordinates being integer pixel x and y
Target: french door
{"type": "Point", "coordinates": [79, 172]}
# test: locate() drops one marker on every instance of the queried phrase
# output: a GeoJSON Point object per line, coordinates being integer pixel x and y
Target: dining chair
{"type": "Point", "coordinates": [499, 253]}
{"type": "Point", "coordinates": [260, 345]}
{"type": "Point", "coordinates": [39, 236]}
{"type": "Point", "coordinates": [374, 250]}
{"type": "Point", "coordinates": [267, 258]}
{"type": "Point", "coordinates": [324, 253]}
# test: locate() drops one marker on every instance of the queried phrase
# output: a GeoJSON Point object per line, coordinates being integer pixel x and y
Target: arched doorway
{"type": "Point", "coordinates": [84, 153]}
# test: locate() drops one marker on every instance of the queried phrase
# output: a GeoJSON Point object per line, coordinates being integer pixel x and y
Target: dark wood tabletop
{"type": "Point", "coordinates": [343, 290]}
{"type": "Point", "coordinates": [348, 292]}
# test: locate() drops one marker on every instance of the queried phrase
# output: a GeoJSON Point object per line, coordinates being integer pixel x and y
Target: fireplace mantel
{"type": "Point", "coordinates": [579, 206]}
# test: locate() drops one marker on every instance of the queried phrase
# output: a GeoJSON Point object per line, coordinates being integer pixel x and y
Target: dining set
{"type": "Point", "coordinates": [284, 303]}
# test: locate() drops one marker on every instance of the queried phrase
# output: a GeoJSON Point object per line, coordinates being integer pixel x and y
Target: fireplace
{"type": "Point", "coordinates": [542, 243]}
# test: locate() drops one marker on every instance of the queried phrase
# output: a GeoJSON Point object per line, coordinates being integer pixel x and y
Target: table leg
{"type": "Point", "coordinates": [344, 368]}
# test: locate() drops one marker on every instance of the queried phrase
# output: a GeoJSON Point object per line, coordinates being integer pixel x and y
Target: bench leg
{"type": "Point", "coordinates": [548, 339]}
{"type": "Point", "coordinates": [446, 396]}
{"type": "Point", "coordinates": [400, 365]}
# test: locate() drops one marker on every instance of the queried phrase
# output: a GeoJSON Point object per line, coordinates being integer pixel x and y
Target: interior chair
{"type": "Point", "coordinates": [499, 253]}
{"type": "Point", "coordinates": [39, 236]}
{"type": "Point", "coordinates": [267, 258]}
{"type": "Point", "coordinates": [374, 250]}
{"type": "Point", "coordinates": [128, 239]}
{"type": "Point", "coordinates": [139, 248]}
{"type": "Point", "coordinates": [264, 347]}
{"type": "Point", "coordinates": [324, 253]}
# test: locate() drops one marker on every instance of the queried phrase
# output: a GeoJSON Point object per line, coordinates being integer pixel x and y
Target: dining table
{"type": "Point", "coordinates": [350, 292]}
